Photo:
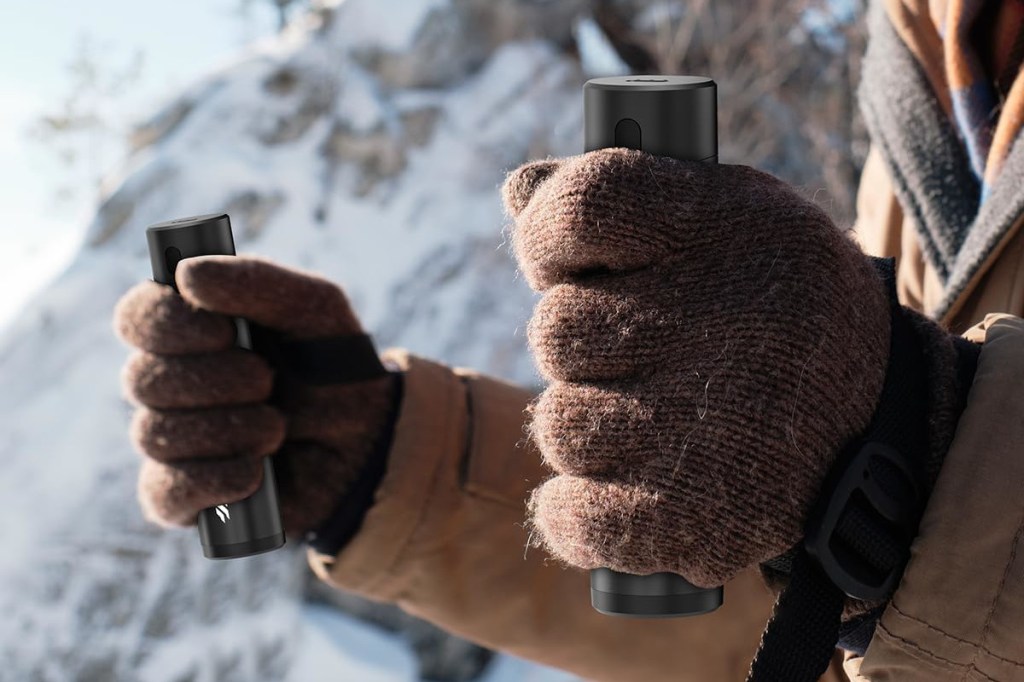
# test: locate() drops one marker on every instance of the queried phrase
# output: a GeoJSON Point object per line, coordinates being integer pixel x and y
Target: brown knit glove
{"type": "Point", "coordinates": [208, 412]}
{"type": "Point", "coordinates": [711, 342]}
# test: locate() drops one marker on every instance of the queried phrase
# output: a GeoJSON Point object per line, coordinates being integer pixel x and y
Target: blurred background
{"type": "Point", "coordinates": [365, 139]}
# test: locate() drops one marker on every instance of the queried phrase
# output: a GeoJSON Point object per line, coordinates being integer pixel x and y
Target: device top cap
{"type": "Point", "coordinates": [672, 116]}
{"type": "Point", "coordinates": [650, 82]}
{"type": "Point", "coordinates": [189, 221]}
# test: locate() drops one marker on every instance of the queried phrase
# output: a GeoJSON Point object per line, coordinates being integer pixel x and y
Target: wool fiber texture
{"type": "Point", "coordinates": [710, 340]}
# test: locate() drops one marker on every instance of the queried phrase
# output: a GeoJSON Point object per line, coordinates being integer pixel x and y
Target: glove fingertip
{"type": "Point", "coordinates": [302, 304]}
{"type": "Point", "coordinates": [173, 436]}
{"type": "Point", "coordinates": [522, 183]}
{"type": "Point", "coordinates": [201, 279]}
{"type": "Point", "coordinates": [560, 524]}
{"type": "Point", "coordinates": [232, 377]}
{"type": "Point", "coordinates": [153, 489]}
{"type": "Point", "coordinates": [173, 495]}
{"type": "Point", "coordinates": [133, 309]}
{"type": "Point", "coordinates": [154, 318]}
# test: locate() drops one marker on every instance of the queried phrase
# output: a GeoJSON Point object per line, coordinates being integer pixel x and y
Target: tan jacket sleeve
{"type": "Point", "coordinates": [446, 540]}
{"type": "Point", "coordinates": [958, 614]}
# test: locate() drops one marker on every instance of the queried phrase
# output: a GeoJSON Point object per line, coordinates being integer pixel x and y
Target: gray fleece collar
{"type": "Point", "coordinates": [928, 164]}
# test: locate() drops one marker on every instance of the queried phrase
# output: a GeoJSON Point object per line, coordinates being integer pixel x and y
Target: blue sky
{"type": "Point", "coordinates": [179, 41]}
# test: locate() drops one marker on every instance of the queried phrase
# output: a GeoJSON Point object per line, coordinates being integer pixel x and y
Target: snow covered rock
{"type": "Point", "coordinates": [366, 142]}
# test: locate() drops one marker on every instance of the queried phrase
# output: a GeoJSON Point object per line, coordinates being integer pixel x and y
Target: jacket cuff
{"type": "Point", "coordinates": [431, 430]}
{"type": "Point", "coordinates": [345, 520]}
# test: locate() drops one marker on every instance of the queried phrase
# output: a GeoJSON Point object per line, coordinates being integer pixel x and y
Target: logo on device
{"type": "Point", "coordinates": [222, 513]}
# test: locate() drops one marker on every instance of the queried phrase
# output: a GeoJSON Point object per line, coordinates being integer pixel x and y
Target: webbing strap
{"type": "Point", "coordinates": [859, 533]}
{"type": "Point", "coordinates": [799, 640]}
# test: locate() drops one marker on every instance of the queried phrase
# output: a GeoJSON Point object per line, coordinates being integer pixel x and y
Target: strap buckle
{"type": "Point", "coordinates": [862, 526]}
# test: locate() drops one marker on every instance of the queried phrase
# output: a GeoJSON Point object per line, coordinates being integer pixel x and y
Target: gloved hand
{"type": "Point", "coordinates": [208, 412]}
{"type": "Point", "coordinates": [711, 341]}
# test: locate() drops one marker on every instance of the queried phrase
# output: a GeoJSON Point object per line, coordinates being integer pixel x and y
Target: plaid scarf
{"type": "Point", "coordinates": [971, 52]}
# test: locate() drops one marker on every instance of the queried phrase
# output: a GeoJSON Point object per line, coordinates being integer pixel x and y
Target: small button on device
{"type": "Point", "coordinates": [172, 256]}
{"type": "Point", "coordinates": [627, 134]}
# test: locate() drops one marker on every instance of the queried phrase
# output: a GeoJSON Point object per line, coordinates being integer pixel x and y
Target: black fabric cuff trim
{"type": "Point", "coordinates": [322, 361]}
{"type": "Point", "coordinates": [347, 517]}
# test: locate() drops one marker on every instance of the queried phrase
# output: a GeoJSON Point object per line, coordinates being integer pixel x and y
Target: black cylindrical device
{"type": "Point", "coordinates": [253, 525]}
{"type": "Point", "coordinates": [674, 116]}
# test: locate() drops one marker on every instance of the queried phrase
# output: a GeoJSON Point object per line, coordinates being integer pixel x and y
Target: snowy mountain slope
{"type": "Point", "coordinates": [366, 143]}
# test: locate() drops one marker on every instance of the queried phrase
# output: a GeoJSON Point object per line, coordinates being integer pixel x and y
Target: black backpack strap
{"type": "Point", "coordinates": [799, 640]}
{"type": "Point", "coordinates": [858, 534]}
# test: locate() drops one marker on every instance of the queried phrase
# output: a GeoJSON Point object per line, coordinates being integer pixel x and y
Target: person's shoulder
{"type": "Point", "coordinates": [993, 406]}
{"type": "Point", "coordinates": [1000, 372]}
